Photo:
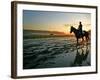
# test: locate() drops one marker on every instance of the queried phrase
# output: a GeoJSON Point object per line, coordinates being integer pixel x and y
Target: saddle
{"type": "Point", "coordinates": [81, 33]}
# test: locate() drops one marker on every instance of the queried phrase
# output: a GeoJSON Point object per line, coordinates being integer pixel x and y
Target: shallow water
{"type": "Point", "coordinates": [55, 52]}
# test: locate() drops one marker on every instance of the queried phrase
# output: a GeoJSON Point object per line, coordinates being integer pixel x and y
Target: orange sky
{"type": "Point", "coordinates": [55, 21]}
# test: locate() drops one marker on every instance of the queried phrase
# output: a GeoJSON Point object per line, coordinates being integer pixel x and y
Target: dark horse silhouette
{"type": "Point", "coordinates": [78, 35]}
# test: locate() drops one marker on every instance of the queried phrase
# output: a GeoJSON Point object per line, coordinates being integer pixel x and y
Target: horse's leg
{"type": "Point", "coordinates": [87, 38]}
{"type": "Point", "coordinates": [82, 39]}
{"type": "Point", "coordinates": [77, 41]}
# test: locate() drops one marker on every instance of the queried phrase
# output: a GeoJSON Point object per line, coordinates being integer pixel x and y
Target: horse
{"type": "Point", "coordinates": [78, 35]}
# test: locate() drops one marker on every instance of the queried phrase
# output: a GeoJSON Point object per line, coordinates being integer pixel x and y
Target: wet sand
{"type": "Point", "coordinates": [55, 52]}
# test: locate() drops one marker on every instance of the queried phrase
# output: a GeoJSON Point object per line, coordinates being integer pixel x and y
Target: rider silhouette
{"type": "Point", "coordinates": [80, 28]}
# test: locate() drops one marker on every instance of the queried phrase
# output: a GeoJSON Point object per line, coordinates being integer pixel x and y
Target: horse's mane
{"type": "Point", "coordinates": [74, 28]}
{"type": "Point", "coordinates": [77, 29]}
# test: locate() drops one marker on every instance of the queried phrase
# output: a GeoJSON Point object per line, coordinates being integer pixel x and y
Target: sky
{"type": "Point", "coordinates": [55, 21]}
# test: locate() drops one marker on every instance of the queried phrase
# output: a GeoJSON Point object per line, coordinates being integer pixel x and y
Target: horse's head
{"type": "Point", "coordinates": [71, 29]}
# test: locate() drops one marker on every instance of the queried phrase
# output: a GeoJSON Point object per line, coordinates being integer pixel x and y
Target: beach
{"type": "Point", "coordinates": [55, 52]}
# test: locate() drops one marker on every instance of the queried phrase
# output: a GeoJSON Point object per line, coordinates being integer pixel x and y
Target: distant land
{"type": "Point", "coordinates": [45, 31]}
{"type": "Point", "coordinates": [43, 34]}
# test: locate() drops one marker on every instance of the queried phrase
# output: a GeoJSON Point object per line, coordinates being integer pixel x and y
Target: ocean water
{"type": "Point", "coordinates": [55, 52]}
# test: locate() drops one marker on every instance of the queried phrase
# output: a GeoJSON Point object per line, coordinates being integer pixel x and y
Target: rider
{"type": "Point", "coordinates": [80, 28]}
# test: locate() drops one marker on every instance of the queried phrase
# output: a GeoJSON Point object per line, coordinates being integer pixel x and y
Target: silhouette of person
{"type": "Point", "coordinates": [80, 28]}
